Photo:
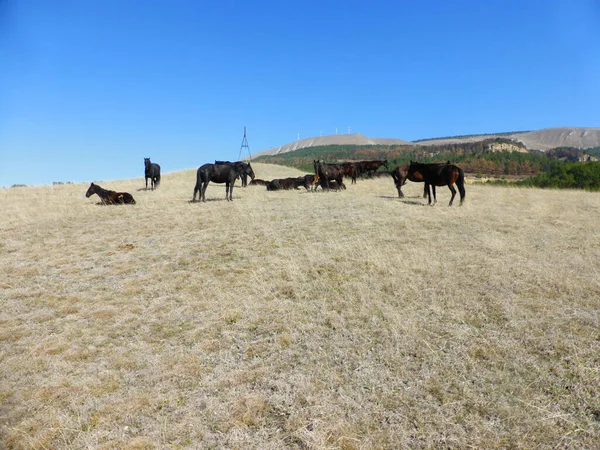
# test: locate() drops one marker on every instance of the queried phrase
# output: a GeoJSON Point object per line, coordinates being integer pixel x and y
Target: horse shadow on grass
{"type": "Point", "coordinates": [404, 199]}
{"type": "Point", "coordinates": [209, 200]}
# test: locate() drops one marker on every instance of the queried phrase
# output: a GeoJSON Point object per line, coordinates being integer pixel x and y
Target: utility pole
{"type": "Point", "coordinates": [245, 147]}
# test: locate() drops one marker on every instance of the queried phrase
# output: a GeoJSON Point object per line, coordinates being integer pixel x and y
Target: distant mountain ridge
{"type": "Point", "coordinates": [544, 139]}
{"type": "Point", "coordinates": [336, 139]}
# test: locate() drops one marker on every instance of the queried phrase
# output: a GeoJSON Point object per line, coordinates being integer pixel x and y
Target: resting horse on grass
{"type": "Point", "coordinates": [109, 197]}
{"type": "Point", "coordinates": [440, 175]}
{"type": "Point", "coordinates": [223, 172]}
{"type": "Point", "coordinates": [152, 171]}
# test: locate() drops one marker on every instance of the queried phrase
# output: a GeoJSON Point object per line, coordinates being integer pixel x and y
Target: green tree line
{"type": "Point", "coordinates": [472, 157]}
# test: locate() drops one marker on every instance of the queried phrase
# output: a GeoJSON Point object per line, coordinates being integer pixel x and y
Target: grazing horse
{"type": "Point", "coordinates": [440, 175]}
{"type": "Point", "coordinates": [152, 171]}
{"type": "Point", "coordinates": [370, 166]}
{"type": "Point", "coordinates": [109, 197]}
{"type": "Point", "coordinates": [400, 175]}
{"type": "Point", "coordinates": [327, 172]}
{"type": "Point", "coordinates": [223, 172]}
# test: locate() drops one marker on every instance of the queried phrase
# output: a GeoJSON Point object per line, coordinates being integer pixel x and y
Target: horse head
{"type": "Point", "coordinates": [147, 163]}
{"type": "Point", "coordinates": [248, 170]}
{"type": "Point", "coordinates": [91, 190]}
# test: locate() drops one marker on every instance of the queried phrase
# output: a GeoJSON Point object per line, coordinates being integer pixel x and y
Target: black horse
{"type": "Point", "coordinates": [440, 175]}
{"type": "Point", "coordinates": [152, 171]}
{"type": "Point", "coordinates": [327, 172]}
{"type": "Point", "coordinates": [370, 167]}
{"type": "Point", "coordinates": [243, 176]}
{"type": "Point", "coordinates": [109, 197]}
{"type": "Point", "coordinates": [400, 175]}
{"type": "Point", "coordinates": [223, 172]}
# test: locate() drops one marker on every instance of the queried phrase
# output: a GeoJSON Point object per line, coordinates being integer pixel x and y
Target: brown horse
{"type": "Point", "coordinates": [109, 197]}
{"type": "Point", "coordinates": [440, 175]}
{"type": "Point", "coordinates": [350, 170]}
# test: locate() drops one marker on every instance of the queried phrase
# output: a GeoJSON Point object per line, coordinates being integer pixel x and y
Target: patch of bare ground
{"type": "Point", "coordinates": [297, 319]}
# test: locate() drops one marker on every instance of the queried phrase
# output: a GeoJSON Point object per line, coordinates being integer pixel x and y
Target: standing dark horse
{"type": "Point", "coordinates": [327, 172]}
{"type": "Point", "coordinates": [109, 197]}
{"type": "Point", "coordinates": [224, 172]}
{"type": "Point", "coordinates": [400, 175]}
{"type": "Point", "coordinates": [152, 171]}
{"type": "Point", "coordinates": [370, 166]}
{"type": "Point", "coordinates": [243, 176]}
{"type": "Point", "coordinates": [350, 170]}
{"type": "Point", "coordinates": [440, 175]}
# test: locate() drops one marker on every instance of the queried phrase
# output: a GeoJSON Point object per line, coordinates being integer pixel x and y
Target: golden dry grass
{"type": "Point", "coordinates": [344, 320]}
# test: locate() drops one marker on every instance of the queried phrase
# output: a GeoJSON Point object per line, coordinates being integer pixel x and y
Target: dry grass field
{"type": "Point", "coordinates": [341, 320]}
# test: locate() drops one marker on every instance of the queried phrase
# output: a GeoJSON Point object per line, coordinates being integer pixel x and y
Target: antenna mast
{"type": "Point", "coordinates": [246, 147]}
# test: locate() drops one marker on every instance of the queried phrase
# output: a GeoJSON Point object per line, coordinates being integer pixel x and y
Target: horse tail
{"type": "Point", "coordinates": [157, 181]}
{"type": "Point", "coordinates": [460, 183]}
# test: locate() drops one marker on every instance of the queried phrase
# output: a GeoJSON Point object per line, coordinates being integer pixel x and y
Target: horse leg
{"type": "Point", "coordinates": [196, 189]}
{"type": "Point", "coordinates": [434, 196]}
{"type": "Point", "coordinates": [146, 183]}
{"type": "Point", "coordinates": [428, 193]}
{"type": "Point", "coordinates": [400, 193]}
{"type": "Point", "coordinates": [451, 186]}
{"type": "Point", "coordinates": [203, 190]}
{"type": "Point", "coordinates": [231, 190]}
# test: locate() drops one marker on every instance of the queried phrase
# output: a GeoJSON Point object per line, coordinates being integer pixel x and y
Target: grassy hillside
{"type": "Point", "coordinates": [293, 319]}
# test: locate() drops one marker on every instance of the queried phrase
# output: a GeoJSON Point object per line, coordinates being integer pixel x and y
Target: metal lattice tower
{"type": "Point", "coordinates": [246, 147]}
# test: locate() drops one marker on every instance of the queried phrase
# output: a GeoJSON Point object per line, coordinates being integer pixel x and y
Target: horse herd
{"type": "Point", "coordinates": [328, 176]}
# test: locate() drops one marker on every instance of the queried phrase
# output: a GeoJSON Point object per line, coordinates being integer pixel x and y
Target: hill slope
{"type": "Point", "coordinates": [338, 139]}
{"type": "Point", "coordinates": [544, 139]}
{"type": "Point", "coordinates": [291, 319]}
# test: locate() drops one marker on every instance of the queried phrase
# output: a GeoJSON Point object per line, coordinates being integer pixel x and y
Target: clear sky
{"type": "Point", "coordinates": [88, 88]}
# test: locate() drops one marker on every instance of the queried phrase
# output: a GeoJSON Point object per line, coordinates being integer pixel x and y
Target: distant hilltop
{"type": "Point", "coordinates": [337, 139]}
{"type": "Point", "coordinates": [543, 140]}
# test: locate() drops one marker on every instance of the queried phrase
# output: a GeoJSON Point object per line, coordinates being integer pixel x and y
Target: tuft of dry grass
{"type": "Point", "coordinates": [296, 319]}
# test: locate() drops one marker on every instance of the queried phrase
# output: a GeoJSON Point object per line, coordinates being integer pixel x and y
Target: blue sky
{"type": "Point", "coordinates": [88, 88]}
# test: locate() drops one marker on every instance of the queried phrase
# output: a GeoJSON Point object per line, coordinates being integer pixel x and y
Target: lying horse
{"type": "Point", "coordinates": [400, 175]}
{"type": "Point", "coordinates": [290, 183]}
{"type": "Point", "coordinates": [440, 175]}
{"type": "Point", "coordinates": [109, 197]}
{"type": "Point", "coordinates": [258, 182]}
{"type": "Point", "coordinates": [152, 171]}
{"type": "Point", "coordinates": [222, 172]}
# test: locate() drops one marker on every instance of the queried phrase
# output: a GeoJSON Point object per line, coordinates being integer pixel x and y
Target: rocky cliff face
{"type": "Point", "coordinates": [503, 146]}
